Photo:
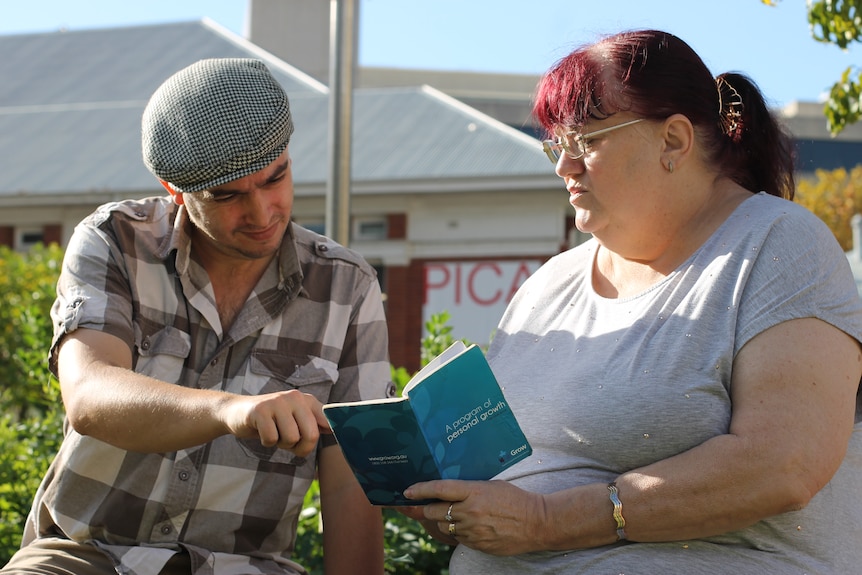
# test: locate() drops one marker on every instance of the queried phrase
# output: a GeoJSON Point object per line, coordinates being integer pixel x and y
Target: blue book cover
{"type": "Point", "coordinates": [452, 422]}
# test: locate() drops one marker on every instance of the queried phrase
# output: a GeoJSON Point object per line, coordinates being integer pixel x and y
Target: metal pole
{"type": "Point", "coordinates": [342, 42]}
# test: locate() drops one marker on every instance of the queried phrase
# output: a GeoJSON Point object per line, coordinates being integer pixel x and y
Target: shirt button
{"type": "Point", "coordinates": [214, 362]}
{"type": "Point", "coordinates": [145, 345]}
{"type": "Point", "coordinates": [184, 475]}
{"type": "Point", "coordinates": [166, 529]}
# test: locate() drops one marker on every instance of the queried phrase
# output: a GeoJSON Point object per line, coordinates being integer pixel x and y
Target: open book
{"type": "Point", "coordinates": [452, 422]}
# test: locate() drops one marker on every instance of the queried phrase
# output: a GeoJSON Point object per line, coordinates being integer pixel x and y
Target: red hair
{"type": "Point", "coordinates": [654, 75]}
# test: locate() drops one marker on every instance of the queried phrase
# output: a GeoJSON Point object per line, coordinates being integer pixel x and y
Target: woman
{"type": "Point", "coordinates": [687, 377]}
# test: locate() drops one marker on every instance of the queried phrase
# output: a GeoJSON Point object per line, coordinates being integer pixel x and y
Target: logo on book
{"type": "Point", "coordinates": [502, 456]}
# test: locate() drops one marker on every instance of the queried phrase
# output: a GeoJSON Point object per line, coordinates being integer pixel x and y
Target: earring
{"type": "Point", "coordinates": [670, 166]}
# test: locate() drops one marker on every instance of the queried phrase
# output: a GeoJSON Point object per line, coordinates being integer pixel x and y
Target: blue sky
{"type": "Point", "coordinates": [773, 45]}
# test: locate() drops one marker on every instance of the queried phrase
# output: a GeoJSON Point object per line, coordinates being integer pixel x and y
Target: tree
{"type": "Point", "coordinates": [838, 22]}
{"type": "Point", "coordinates": [834, 196]}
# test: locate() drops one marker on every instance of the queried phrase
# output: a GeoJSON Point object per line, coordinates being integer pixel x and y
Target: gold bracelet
{"type": "Point", "coordinates": [618, 511]}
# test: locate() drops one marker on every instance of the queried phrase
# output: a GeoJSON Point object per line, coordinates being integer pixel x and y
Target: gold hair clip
{"type": "Point", "coordinates": [730, 108]}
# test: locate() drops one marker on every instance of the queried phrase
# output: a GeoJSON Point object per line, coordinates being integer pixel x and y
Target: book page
{"type": "Point", "coordinates": [447, 355]}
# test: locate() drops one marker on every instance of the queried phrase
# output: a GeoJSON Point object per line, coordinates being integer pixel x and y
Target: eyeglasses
{"type": "Point", "coordinates": [574, 144]}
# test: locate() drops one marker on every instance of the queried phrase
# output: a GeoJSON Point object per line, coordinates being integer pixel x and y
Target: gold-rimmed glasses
{"type": "Point", "coordinates": [574, 145]}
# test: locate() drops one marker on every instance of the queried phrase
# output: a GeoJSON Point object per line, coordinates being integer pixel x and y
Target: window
{"type": "Point", "coordinates": [318, 227]}
{"type": "Point", "coordinates": [26, 238]}
{"type": "Point", "coordinates": [370, 228]}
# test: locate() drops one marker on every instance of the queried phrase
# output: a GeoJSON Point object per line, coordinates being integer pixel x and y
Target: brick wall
{"type": "Point", "coordinates": [404, 290]}
{"type": "Point", "coordinates": [7, 236]}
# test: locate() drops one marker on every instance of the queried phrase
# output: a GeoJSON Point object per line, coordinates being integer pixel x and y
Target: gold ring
{"type": "Point", "coordinates": [452, 529]}
{"type": "Point", "coordinates": [448, 516]}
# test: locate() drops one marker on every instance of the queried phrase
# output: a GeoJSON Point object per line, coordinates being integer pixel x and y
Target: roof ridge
{"type": "Point", "coordinates": [72, 107]}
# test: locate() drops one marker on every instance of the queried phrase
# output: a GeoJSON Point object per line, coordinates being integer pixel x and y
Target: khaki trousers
{"type": "Point", "coordinates": [55, 556]}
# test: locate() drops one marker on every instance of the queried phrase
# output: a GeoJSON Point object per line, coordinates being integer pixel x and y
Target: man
{"type": "Point", "coordinates": [196, 337]}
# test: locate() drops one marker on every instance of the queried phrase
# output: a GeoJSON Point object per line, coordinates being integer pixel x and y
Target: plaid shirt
{"type": "Point", "coordinates": [314, 322]}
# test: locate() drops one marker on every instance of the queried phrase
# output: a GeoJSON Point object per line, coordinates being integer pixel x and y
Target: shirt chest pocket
{"type": "Point", "coordinates": [270, 372]}
{"type": "Point", "coordinates": [161, 353]}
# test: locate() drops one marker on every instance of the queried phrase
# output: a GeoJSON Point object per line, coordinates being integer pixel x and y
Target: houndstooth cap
{"type": "Point", "coordinates": [213, 122]}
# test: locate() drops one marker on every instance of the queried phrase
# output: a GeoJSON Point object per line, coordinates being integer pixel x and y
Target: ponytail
{"type": "Point", "coordinates": [756, 150]}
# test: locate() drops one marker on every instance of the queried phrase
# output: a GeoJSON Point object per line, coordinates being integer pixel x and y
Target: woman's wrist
{"type": "Point", "coordinates": [579, 518]}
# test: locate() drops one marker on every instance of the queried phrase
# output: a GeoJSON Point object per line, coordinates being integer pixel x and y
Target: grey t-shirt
{"type": "Point", "coordinates": [602, 386]}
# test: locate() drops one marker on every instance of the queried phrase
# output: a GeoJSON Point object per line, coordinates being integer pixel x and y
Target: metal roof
{"type": "Point", "coordinates": [71, 103]}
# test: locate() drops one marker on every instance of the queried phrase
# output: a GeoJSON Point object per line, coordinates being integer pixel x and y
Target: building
{"type": "Point", "coordinates": [452, 206]}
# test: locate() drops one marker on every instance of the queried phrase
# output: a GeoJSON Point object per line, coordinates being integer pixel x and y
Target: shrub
{"type": "Point", "coordinates": [27, 282]}
{"type": "Point", "coordinates": [28, 446]}
{"type": "Point", "coordinates": [31, 412]}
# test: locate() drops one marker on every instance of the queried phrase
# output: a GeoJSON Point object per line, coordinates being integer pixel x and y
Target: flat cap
{"type": "Point", "coordinates": [213, 122]}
